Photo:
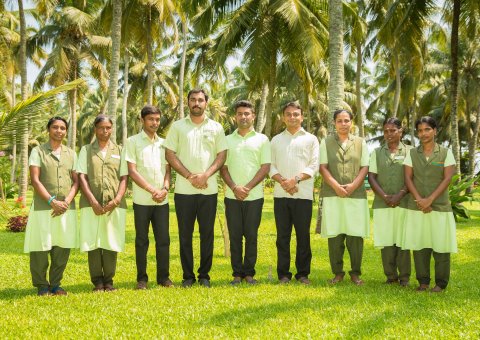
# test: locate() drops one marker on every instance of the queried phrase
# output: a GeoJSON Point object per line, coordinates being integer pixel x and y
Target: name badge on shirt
{"type": "Point", "coordinates": [116, 156]}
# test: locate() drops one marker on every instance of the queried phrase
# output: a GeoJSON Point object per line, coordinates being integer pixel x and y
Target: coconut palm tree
{"type": "Point", "coordinates": [69, 32]}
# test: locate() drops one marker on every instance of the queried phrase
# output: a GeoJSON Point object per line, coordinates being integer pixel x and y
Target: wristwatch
{"type": "Point", "coordinates": [298, 179]}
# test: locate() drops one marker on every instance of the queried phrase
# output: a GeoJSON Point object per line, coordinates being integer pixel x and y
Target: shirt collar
{"type": "Point", "coordinates": [301, 131]}
{"type": "Point", "coordinates": [189, 119]}
{"type": "Point", "coordinates": [250, 133]}
{"type": "Point", "coordinates": [144, 135]}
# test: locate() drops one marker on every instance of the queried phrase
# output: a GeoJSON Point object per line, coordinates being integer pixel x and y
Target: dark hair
{"type": "Point", "coordinates": [426, 120]}
{"type": "Point", "coordinates": [51, 120]}
{"type": "Point", "coordinates": [292, 104]}
{"type": "Point", "coordinates": [393, 120]}
{"type": "Point", "coordinates": [337, 112]}
{"type": "Point", "coordinates": [192, 91]}
{"type": "Point", "coordinates": [102, 118]}
{"type": "Point", "coordinates": [149, 110]}
{"type": "Point", "coordinates": [244, 103]}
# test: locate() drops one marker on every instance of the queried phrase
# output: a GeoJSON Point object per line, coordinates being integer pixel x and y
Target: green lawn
{"type": "Point", "coordinates": [266, 310]}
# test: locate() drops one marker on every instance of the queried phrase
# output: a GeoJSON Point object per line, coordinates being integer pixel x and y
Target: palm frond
{"type": "Point", "coordinates": [32, 107]}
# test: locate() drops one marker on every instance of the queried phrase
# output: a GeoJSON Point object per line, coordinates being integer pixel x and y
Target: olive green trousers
{"type": "Point", "coordinates": [39, 266]}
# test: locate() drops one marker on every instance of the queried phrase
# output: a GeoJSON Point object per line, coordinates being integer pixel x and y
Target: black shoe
{"type": "Point", "coordinates": [188, 283]}
{"type": "Point", "coordinates": [403, 283]}
{"type": "Point", "coordinates": [204, 282]}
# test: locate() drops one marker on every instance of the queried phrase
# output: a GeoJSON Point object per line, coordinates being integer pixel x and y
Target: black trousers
{"type": "Point", "coordinates": [243, 219]}
{"type": "Point", "coordinates": [158, 216]}
{"type": "Point", "coordinates": [297, 213]}
{"type": "Point", "coordinates": [202, 208]}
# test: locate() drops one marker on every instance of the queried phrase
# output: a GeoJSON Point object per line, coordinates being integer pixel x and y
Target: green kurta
{"type": "Point", "coordinates": [349, 215]}
{"type": "Point", "coordinates": [106, 231]}
{"type": "Point", "coordinates": [388, 222]}
{"type": "Point", "coordinates": [44, 231]}
{"type": "Point", "coordinates": [437, 229]}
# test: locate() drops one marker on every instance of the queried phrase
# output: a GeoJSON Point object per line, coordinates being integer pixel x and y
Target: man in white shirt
{"type": "Point", "coordinates": [295, 156]}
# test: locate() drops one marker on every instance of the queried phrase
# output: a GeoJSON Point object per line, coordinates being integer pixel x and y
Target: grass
{"type": "Point", "coordinates": [267, 310]}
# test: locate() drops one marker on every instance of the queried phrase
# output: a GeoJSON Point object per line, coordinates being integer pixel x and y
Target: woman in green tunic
{"type": "Point", "coordinates": [52, 223]}
{"type": "Point", "coordinates": [103, 179]}
{"type": "Point", "coordinates": [345, 216]}
{"type": "Point", "coordinates": [387, 181]}
{"type": "Point", "coordinates": [429, 222]}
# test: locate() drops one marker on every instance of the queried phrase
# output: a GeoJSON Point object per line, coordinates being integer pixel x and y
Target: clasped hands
{"type": "Point", "coordinates": [198, 181]}
{"type": "Point", "coordinates": [59, 207]}
{"type": "Point", "coordinates": [98, 209]}
{"type": "Point", "coordinates": [424, 204]}
{"type": "Point", "coordinates": [344, 190]}
{"type": "Point", "coordinates": [393, 200]}
{"type": "Point", "coordinates": [289, 185]}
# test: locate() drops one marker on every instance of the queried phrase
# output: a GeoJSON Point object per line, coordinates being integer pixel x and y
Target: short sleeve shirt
{"type": "Point", "coordinates": [245, 156]}
{"type": "Point", "coordinates": [449, 160]}
{"type": "Point", "coordinates": [149, 157]}
{"type": "Point", "coordinates": [196, 146]}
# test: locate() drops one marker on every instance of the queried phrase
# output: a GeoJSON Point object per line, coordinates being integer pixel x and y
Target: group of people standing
{"type": "Point", "coordinates": [411, 206]}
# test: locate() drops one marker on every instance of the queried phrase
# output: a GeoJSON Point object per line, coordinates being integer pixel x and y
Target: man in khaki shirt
{"type": "Point", "coordinates": [248, 162]}
{"type": "Point", "coordinates": [295, 156]}
{"type": "Point", "coordinates": [196, 149]}
{"type": "Point", "coordinates": [147, 167]}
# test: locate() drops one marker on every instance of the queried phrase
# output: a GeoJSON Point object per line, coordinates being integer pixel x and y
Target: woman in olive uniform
{"type": "Point", "coordinates": [52, 223]}
{"type": "Point", "coordinates": [103, 179]}
{"type": "Point", "coordinates": [429, 222]}
{"type": "Point", "coordinates": [387, 181]}
{"type": "Point", "coordinates": [345, 215]}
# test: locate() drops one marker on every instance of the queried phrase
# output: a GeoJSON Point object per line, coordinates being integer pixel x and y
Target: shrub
{"type": "Point", "coordinates": [17, 223]}
{"type": "Point", "coordinates": [459, 192]}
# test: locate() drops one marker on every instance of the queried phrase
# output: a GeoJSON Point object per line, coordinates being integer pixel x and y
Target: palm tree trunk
{"type": "Point", "coordinates": [454, 84]}
{"type": "Point", "coordinates": [398, 83]}
{"type": "Point", "coordinates": [261, 109]}
{"type": "Point", "coordinates": [358, 90]}
{"type": "Point", "coordinates": [413, 117]}
{"type": "Point", "coordinates": [72, 133]}
{"type": "Point", "coordinates": [23, 180]}
{"type": "Point", "coordinates": [336, 84]}
{"type": "Point", "coordinates": [116, 34]}
{"type": "Point", "coordinates": [149, 58]}
{"type": "Point", "coordinates": [181, 76]}
{"type": "Point", "coordinates": [126, 88]}
{"type": "Point", "coordinates": [472, 145]}
{"type": "Point", "coordinates": [306, 107]}
{"type": "Point", "coordinates": [271, 92]}
{"type": "Point", "coordinates": [13, 172]}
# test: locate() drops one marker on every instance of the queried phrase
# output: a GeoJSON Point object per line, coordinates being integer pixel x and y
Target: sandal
{"type": "Point", "coordinates": [356, 280]}
{"type": "Point", "coordinates": [336, 279]}
{"type": "Point", "coordinates": [422, 288]}
{"type": "Point", "coordinates": [437, 289]}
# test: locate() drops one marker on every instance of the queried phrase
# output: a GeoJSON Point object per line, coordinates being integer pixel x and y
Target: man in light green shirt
{"type": "Point", "coordinates": [248, 162]}
{"type": "Point", "coordinates": [196, 148]}
{"type": "Point", "coordinates": [147, 167]}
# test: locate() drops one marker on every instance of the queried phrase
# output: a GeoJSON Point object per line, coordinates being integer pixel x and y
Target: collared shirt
{"type": "Point", "coordinates": [246, 154]}
{"type": "Point", "coordinates": [149, 157]}
{"type": "Point", "coordinates": [55, 172]}
{"type": "Point", "coordinates": [104, 170]}
{"type": "Point", "coordinates": [196, 146]}
{"type": "Point", "coordinates": [291, 156]}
